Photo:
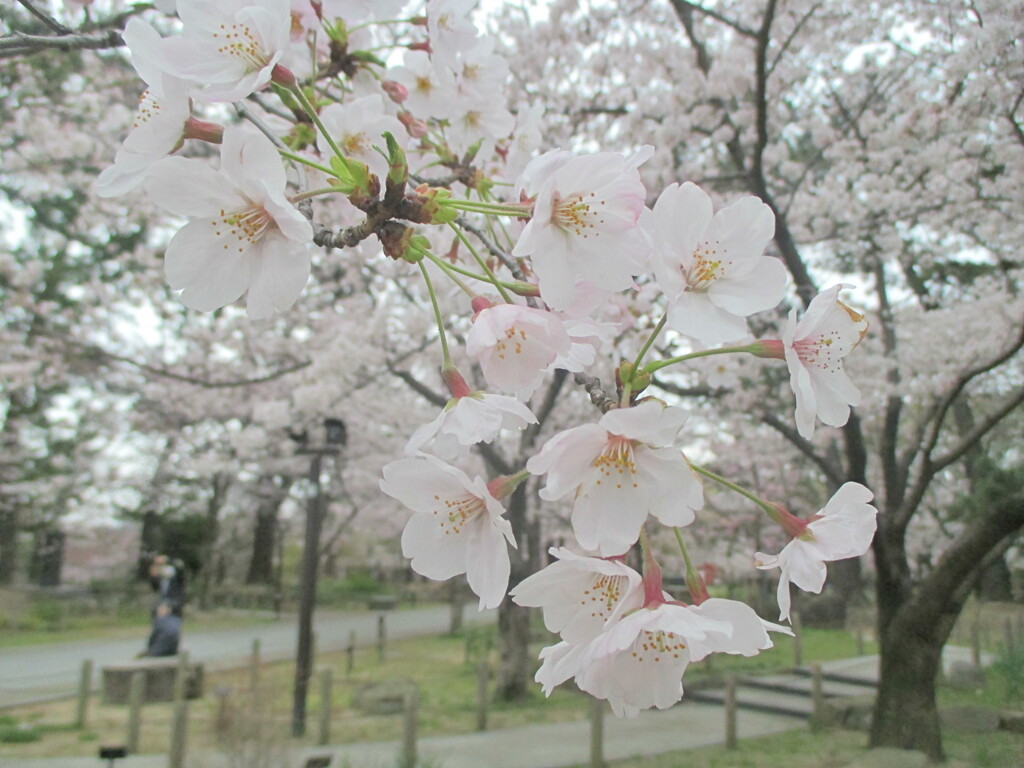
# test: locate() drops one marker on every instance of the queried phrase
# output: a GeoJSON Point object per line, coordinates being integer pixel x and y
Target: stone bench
{"type": "Point", "coordinates": [158, 673]}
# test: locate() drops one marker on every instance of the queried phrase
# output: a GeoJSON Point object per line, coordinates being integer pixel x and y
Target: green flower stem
{"type": "Point", "coordinates": [446, 355]}
{"type": "Point", "coordinates": [483, 264]}
{"type": "Point", "coordinates": [691, 572]}
{"type": "Point", "coordinates": [306, 161]}
{"type": "Point", "coordinates": [312, 193]}
{"type": "Point", "coordinates": [315, 117]}
{"type": "Point", "coordinates": [493, 209]}
{"type": "Point", "coordinates": [659, 364]}
{"type": "Point", "coordinates": [450, 271]}
{"type": "Point", "coordinates": [463, 271]}
{"type": "Point", "coordinates": [627, 386]}
{"type": "Point", "coordinates": [769, 508]}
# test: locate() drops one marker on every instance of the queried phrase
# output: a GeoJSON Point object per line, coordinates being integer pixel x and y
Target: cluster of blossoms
{"type": "Point", "coordinates": [359, 122]}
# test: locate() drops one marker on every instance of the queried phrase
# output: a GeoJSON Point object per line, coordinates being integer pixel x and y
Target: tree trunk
{"type": "Point", "coordinates": [514, 645]}
{"type": "Point", "coordinates": [514, 672]}
{"type": "Point", "coordinates": [8, 545]}
{"type": "Point", "coordinates": [996, 583]}
{"type": "Point", "coordinates": [906, 715]}
{"type": "Point", "coordinates": [261, 563]}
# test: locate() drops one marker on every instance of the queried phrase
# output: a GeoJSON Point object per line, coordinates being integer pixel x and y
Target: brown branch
{"type": "Point", "coordinates": [806, 447]}
{"type": "Point", "coordinates": [48, 20]}
{"type": "Point", "coordinates": [682, 6]}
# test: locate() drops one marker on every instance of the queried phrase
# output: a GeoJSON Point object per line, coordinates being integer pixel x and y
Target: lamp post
{"type": "Point", "coordinates": [336, 437]}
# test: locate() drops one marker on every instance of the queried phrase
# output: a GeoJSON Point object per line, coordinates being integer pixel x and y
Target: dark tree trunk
{"type": "Point", "coordinates": [514, 672]}
{"type": "Point", "coordinates": [906, 715]}
{"type": "Point", "coordinates": [261, 564]}
{"type": "Point", "coordinates": [996, 582]}
{"type": "Point", "coordinates": [8, 545]}
{"type": "Point", "coordinates": [916, 617]}
{"type": "Point", "coordinates": [514, 645]}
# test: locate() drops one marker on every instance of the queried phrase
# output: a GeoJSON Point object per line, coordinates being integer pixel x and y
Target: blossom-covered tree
{"type": "Point", "coordinates": [888, 142]}
{"type": "Point", "coordinates": [378, 233]}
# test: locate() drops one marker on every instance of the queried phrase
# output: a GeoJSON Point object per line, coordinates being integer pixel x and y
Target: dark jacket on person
{"type": "Point", "coordinates": [165, 636]}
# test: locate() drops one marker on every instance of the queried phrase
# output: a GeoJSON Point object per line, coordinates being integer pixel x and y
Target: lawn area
{"type": "Point", "coordinates": [803, 748]}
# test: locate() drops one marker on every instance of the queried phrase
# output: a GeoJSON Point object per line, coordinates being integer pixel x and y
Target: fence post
{"type": "Point", "coordinates": [84, 686]}
{"type": "Point", "coordinates": [254, 666]}
{"type": "Point", "coordinates": [596, 732]}
{"type": "Point", "coordinates": [817, 694]}
{"type": "Point", "coordinates": [976, 644]}
{"type": "Point", "coordinates": [409, 729]}
{"type": "Point", "coordinates": [325, 706]}
{"type": "Point", "coordinates": [483, 673]}
{"type": "Point", "coordinates": [136, 692]}
{"type": "Point", "coordinates": [798, 649]}
{"type": "Point", "coordinates": [730, 712]}
{"type": "Point", "coordinates": [179, 719]}
{"type": "Point", "coordinates": [350, 652]}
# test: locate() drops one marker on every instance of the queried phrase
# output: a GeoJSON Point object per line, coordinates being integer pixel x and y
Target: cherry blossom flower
{"type": "Point", "coordinates": [160, 121]}
{"type": "Point", "coordinates": [476, 417]}
{"type": "Point", "coordinates": [357, 127]}
{"type": "Point", "coordinates": [243, 234]}
{"type": "Point", "coordinates": [584, 224]}
{"type": "Point", "coordinates": [432, 90]}
{"type": "Point", "coordinates": [814, 350]}
{"type": "Point", "coordinates": [578, 594]}
{"type": "Point", "coordinates": [231, 47]}
{"type": "Point", "coordinates": [843, 529]}
{"type": "Point", "coordinates": [458, 525]}
{"type": "Point", "coordinates": [516, 345]}
{"type": "Point", "coordinates": [621, 469]}
{"type": "Point", "coordinates": [450, 28]}
{"type": "Point", "coordinates": [639, 661]}
{"type": "Point", "coordinates": [711, 268]}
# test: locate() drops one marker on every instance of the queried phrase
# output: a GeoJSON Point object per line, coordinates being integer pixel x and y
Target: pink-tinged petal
{"type": "Point", "coordinates": [210, 274]}
{"type": "Point", "coordinates": [432, 554]}
{"type": "Point", "coordinates": [802, 566]}
{"type": "Point", "coordinates": [145, 44]}
{"type": "Point", "coordinates": [251, 161]}
{"type": "Point", "coordinates": [681, 216]}
{"type": "Point", "coordinates": [674, 491]}
{"type": "Point", "coordinates": [742, 229]}
{"type": "Point", "coordinates": [560, 662]}
{"type": "Point", "coordinates": [607, 516]}
{"type": "Point", "coordinates": [806, 403]}
{"type": "Point", "coordinates": [834, 394]}
{"type": "Point", "coordinates": [694, 314]}
{"type": "Point", "coordinates": [848, 493]}
{"type": "Point", "coordinates": [567, 458]}
{"type": "Point", "coordinates": [487, 564]}
{"type": "Point", "coordinates": [417, 482]}
{"type": "Point", "coordinates": [758, 290]}
{"type": "Point", "coordinates": [280, 270]}
{"type": "Point", "coordinates": [191, 188]}
{"type": "Point", "coordinates": [649, 422]}
{"type": "Point", "coordinates": [288, 218]}
{"type": "Point", "coordinates": [748, 637]}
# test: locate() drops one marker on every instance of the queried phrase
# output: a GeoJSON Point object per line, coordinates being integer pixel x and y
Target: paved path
{"type": "Point", "coordinates": [31, 673]}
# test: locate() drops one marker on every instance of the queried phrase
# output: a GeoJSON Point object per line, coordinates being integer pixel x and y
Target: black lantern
{"type": "Point", "coordinates": [337, 434]}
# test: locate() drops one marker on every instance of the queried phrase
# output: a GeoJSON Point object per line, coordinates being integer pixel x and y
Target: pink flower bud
{"type": "Point", "coordinates": [424, 46]}
{"type": "Point", "coordinates": [417, 128]}
{"type": "Point", "coordinates": [396, 91]}
{"type": "Point", "coordinates": [480, 303]}
{"type": "Point", "coordinates": [456, 384]}
{"type": "Point", "coordinates": [283, 77]}
{"type": "Point", "coordinates": [204, 131]}
{"type": "Point", "coordinates": [771, 348]}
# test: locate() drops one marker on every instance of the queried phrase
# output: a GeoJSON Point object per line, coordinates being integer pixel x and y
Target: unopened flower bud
{"type": "Point", "coordinates": [203, 131]}
{"type": "Point", "coordinates": [283, 77]}
{"type": "Point", "coordinates": [771, 348]}
{"type": "Point", "coordinates": [395, 91]}
{"type": "Point", "coordinates": [417, 128]}
{"type": "Point", "coordinates": [424, 46]}
{"type": "Point", "coordinates": [456, 384]}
